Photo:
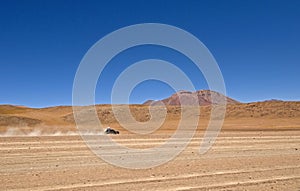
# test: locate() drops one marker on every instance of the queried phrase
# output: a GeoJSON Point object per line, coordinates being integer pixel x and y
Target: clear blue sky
{"type": "Point", "coordinates": [256, 44]}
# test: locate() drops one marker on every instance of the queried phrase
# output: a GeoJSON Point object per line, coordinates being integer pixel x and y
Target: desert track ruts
{"type": "Point", "coordinates": [180, 177]}
{"type": "Point", "coordinates": [86, 154]}
{"type": "Point", "coordinates": [237, 162]}
{"type": "Point", "coordinates": [239, 183]}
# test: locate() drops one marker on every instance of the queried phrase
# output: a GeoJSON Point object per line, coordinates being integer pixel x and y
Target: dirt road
{"type": "Point", "coordinates": [239, 160]}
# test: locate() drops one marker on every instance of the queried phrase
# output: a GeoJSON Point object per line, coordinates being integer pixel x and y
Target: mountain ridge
{"type": "Point", "coordinates": [62, 116]}
{"type": "Point", "coordinates": [200, 97]}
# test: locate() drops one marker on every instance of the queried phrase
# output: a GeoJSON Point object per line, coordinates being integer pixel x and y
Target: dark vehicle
{"type": "Point", "coordinates": [111, 131]}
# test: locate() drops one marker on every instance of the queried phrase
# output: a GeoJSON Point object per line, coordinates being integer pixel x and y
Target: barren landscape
{"type": "Point", "coordinates": [149, 95]}
{"type": "Point", "coordinates": [257, 149]}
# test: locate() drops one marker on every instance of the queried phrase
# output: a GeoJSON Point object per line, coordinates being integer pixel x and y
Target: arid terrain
{"type": "Point", "coordinates": [258, 149]}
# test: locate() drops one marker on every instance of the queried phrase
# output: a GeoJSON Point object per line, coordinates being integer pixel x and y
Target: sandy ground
{"type": "Point", "coordinates": [239, 160]}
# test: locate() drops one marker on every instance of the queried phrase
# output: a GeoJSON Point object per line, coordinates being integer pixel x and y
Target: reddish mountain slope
{"type": "Point", "coordinates": [201, 97]}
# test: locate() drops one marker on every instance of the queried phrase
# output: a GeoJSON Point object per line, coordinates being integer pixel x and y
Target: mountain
{"type": "Point", "coordinates": [266, 114]}
{"type": "Point", "coordinates": [202, 97]}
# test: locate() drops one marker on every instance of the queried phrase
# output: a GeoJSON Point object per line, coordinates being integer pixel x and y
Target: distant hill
{"type": "Point", "coordinates": [202, 97]}
{"type": "Point", "coordinates": [271, 113]}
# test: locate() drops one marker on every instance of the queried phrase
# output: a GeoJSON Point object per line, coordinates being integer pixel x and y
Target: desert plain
{"type": "Point", "coordinates": [258, 148]}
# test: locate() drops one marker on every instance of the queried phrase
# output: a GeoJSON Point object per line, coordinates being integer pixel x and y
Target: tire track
{"type": "Point", "coordinates": [180, 177]}
{"type": "Point", "coordinates": [239, 183]}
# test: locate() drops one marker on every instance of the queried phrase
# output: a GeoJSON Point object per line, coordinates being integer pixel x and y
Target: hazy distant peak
{"type": "Point", "coordinates": [202, 97]}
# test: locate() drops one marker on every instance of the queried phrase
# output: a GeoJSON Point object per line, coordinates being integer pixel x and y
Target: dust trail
{"type": "Point", "coordinates": [34, 133]}
{"type": "Point", "coordinates": [16, 132]}
{"type": "Point", "coordinates": [11, 132]}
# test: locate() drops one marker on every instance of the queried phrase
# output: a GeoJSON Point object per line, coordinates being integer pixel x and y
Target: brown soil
{"type": "Point", "coordinates": [257, 149]}
{"type": "Point", "coordinates": [239, 160]}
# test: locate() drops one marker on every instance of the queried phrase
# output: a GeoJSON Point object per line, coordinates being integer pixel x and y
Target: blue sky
{"type": "Point", "coordinates": [256, 44]}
